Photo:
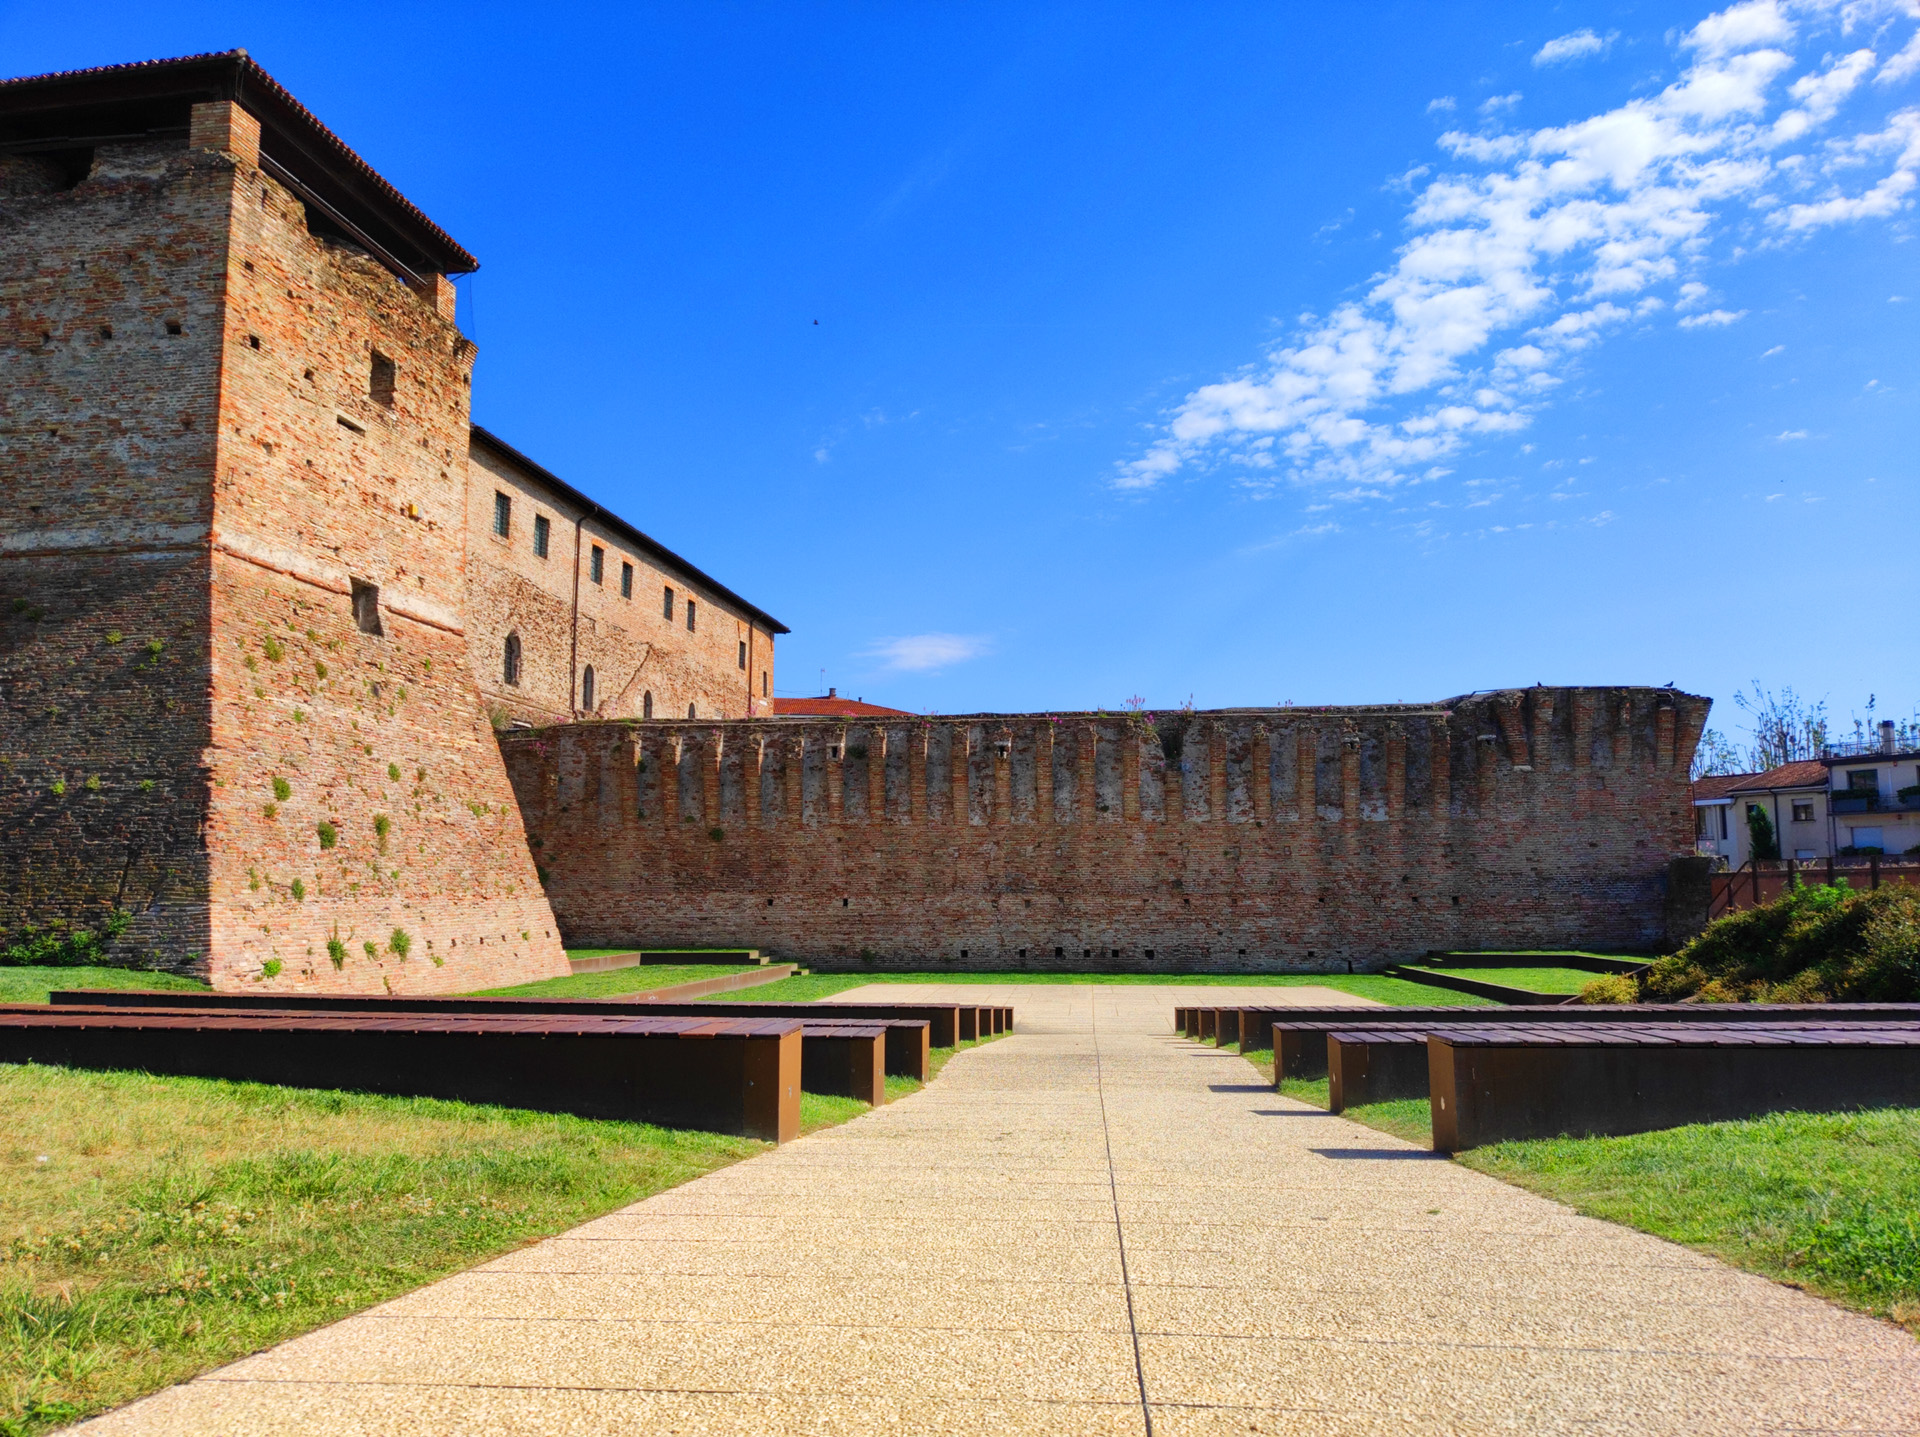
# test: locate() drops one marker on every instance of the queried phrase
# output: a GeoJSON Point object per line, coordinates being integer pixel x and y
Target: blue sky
{"type": "Point", "coordinates": [1038, 356]}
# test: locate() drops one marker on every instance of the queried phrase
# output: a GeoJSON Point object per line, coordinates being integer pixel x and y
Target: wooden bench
{"type": "Point", "coordinates": [1497, 1083]}
{"type": "Point", "coordinates": [1374, 1067]}
{"type": "Point", "coordinates": [912, 1029]}
{"type": "Point", "coordinates": [729, 1075]}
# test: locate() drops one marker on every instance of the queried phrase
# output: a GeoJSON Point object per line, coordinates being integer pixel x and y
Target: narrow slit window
{"type": "Point", "coordinates": [626, 581]}
{"type": "Point", "coordinates": [380, 379]}
{"type": "Point", "coordinates": [586, 689]}
{"type": "Point", "coordinates": [510, 662]}
{"type": "Point", "coordinates": [691, 713]}
{"type": "Point", "coordinates": [690, 607]}
{"type": "Point", "coordinates": [646, 704]}
{"type": "Point", "coordinates": [542, 535]}
{"type": "Point", "coordinates": [743, 655]}
{"type": "Point", "coordinates": [597, 565]}
{"type": "Point", "coordinates": [502, 515]}
{"type": "Point", "coordinates": [764, 690]}
{"type": "Point", "coordinates": [366, 607]}
{"type": "Point", "coordinates": [666, 603]}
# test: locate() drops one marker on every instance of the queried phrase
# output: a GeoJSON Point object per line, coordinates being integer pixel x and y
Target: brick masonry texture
{"type": "Point", "coordinates": [1242, 840]}
{"type": "Point", "coordinates": [205, 466]}
{"type": "Point", "coordinates": [644, 662]}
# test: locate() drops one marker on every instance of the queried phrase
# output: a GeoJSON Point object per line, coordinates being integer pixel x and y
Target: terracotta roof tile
{"type": "Point", "coordinates": [833, 706]}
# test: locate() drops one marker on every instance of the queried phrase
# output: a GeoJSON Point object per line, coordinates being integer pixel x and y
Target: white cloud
{"type": "Point", "coordinates": [1786, 435]}
{"type": "Point", "coordinates": [1580, 45]}
{"type": "Point", "coordinates": [923, 653]}
{"type": "Point", "coordinates": [1446, 104]}
{"type": "Point", "coordinates": [1769, 353]}
{"type": "Point", "coordinates": [1901, 65]}
{"type": "Point", "coordinates": [1496, 103]}
{"type": "Point", "coordinates": [1530, 246]}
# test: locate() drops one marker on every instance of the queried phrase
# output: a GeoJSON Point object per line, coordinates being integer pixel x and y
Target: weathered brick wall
{"type": "Point", "coordinates": [1237, 840]}
{"type": "Point", "coordinates": [248, 454]}
{"type": "Point", "coordinates": [111, 305]}
{"type": "Point", "coordinates": [635, 649]}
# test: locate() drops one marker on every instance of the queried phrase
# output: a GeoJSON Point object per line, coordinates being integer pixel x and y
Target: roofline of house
{"type": "Point", "coordinates": [610, 520]}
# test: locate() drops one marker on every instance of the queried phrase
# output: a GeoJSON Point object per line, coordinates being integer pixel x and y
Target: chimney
{"type": "Point", "coordinates": [1886, 736]}
{"type": "Point", "coordinates": [833, 693]}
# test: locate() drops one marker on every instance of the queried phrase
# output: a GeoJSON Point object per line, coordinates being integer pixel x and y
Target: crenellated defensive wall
{"type": "Point", "coordinates": [1223, 840]}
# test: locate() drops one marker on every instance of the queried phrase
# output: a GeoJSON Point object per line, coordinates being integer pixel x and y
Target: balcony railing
{"type": "Point", "coordinates": [1874, 747]}
{"type": "Point", "coordinates": [1842, 800]}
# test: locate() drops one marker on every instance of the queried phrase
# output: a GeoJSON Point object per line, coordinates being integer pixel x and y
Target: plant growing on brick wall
{"type": "Point", "coordinates": [298, 890]}
{"type": "Point", "coordinates": [393, 772]}
{"type": "Point", "coordinates": [61, 944]}
{"type": "Point", "coordinates": [382, 826]}
{"type": "Point", "coordinates": [114, 636]}
{"type": "Point", "coordinates": [372, 950]}
{"type": "Point", "coordinates": [400, 943]}
{"type": "Point", "coordinates": [336, 950]}
{"type": "Point", "coordinates": [282, 790]}
{"type": "Point", "coordinates": [271, 968]}
{"type": "Point", "coordinates": [273, 649]}
{"type": "Point", "coordinates": [328, 834]}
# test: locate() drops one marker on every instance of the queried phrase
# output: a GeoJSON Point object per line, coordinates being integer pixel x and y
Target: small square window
{"type": "Point", "coordinates": [597, 565]}
{"type": "Point", "coordinates": [380, 377]}
{"type": "Point", "coordinates": [626, 581]}
{"type": "Point", "coordinates": [502, 515]}
{"type": "Point", "coordinates": [1803, 812]}
{"type": "Point", "coordinates": [542, 535]}
{"type": "Point", "coordinates": [366, 607]}
{"type": "Point", "coordinates": [666, 603]}
{"type": "Point", "coordinates": [689, 615]}
{"type": "Point", "coordinates": [743, 655]}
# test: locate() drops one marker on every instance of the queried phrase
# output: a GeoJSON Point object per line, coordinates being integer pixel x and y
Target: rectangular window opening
{"type": "Point", "coordinates": [690, 615]}
{"type": "Point", "coordinates": [666, 603]}
{"type": "Point", "coordinates": [764, 691]}
{"type": "Point", "coordinates": [366, 607]}
{"type": "Point", "coordinates": [626, 581]}
{"type": "Point", "coordinates": [542, 535]}
{"type": "Point", "coordinates": [597, 565]}
{"type": "Point", "coordinates": [1803, 813]}
{"type": "Point", "coordinates": [502, 515]}
{"type": "Point", "coordinates": [743, 655]}
{"type": "Point", "coordinates": [380, 378]}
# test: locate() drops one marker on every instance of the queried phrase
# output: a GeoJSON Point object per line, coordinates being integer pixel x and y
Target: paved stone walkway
{"type": "Point", "coordinates": [1090, 1226]}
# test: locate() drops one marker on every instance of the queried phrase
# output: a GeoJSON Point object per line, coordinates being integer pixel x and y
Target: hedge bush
{"type": "Point", "coordinates": [1820, 944]}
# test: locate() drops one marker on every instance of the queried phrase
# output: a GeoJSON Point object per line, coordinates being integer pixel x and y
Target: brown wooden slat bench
{"type": "Point", "coordinates": [847, 1060]}
{"type": "Point", "coordinates": [1498, 1083]}
{"type": "Point", "coordinates": [1375, 1067]}
{"type": "Point", "coordinates": [911, 1028]}
{"type": "Point", "coordinates": [1257, 1024]}
{"type": "Point", "coordinates": [729, 1075]}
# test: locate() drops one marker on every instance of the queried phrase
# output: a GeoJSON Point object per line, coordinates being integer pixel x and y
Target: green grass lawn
{"type": "Point", "coordinates": [152, 1228]}
{"type": "Point", "coordinates": [1534, 980]}
{"type": "Point", "coordinates": [574, 955]}
{"type": "Point", "coordinates": [616, 981]}
{"type": "Point", "coordinates": [1360, 985]}
{"type": "Point", "coordinates": [31, 985]}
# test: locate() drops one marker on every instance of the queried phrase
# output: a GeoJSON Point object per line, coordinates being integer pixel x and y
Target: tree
{"type": "Point", "coordinates": [1786, 729]}
{"type": "Point", "coordinates": [1715, 755]}
{"type": "Point", "coordinates": [1766, 844]}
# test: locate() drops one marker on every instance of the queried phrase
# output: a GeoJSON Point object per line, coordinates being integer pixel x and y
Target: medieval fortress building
{"type": "Point", "coordinates": [308, 682]}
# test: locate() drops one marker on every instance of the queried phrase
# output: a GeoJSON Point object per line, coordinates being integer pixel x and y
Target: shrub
{"type": "Point", "coordinates": [329, 835]}
{"type": "Point", "coordinates": [336, 950]}
{"type": "Point", "coordinates": [1766, 844]}
{"type": "Point", "coordinates": [270, 968]}
{"type": "Point", "coordinates": [400, 943]}
{"type": "Point", "coordinates": [1611, 988]}
{"type": "Point", "coordinates": [61, 944]}
{"type": "Point", "coordinates": [1820, 944]}
{"type": "Point", "coordinates": [299, 891]}
{"type": "Point", "coordinates": [282, 790]}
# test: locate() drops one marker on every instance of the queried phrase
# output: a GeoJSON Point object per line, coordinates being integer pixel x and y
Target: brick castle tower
{"type": "Point", "coordinates": [238, 732]}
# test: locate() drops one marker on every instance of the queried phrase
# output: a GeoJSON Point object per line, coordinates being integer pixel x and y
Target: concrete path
{"type": "Point", "coordinates": [1090, 1226]}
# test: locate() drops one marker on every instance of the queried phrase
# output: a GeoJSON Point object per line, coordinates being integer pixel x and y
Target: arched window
{"type": "Point", "coordinates": [586, 689]}
{"type": "Point", "coordinates": [646, 704]}
{"type": "Point", "coordinates": [510, 663]}
{"type": "Point", "coordinates": [691, 713]}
